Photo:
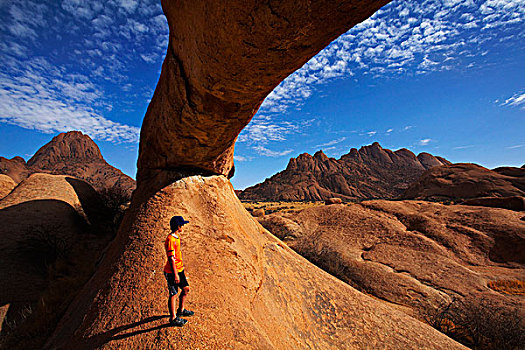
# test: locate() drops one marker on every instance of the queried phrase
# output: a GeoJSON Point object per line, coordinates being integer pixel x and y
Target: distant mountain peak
{"type": "Point", "coordinates": [71, 146]}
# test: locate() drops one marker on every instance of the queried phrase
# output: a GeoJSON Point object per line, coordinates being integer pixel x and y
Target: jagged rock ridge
{"type": "Point", "coordinates": [370, 172]}
{"type": "Point", "coordinates": [71, 153]}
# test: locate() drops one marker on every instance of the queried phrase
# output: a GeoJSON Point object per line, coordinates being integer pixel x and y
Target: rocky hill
{"type": "Point", "coordinates": [416, 255]}
{"type": "Point", "coordinates": [466, 180]}
{"type": "Point", "coordinates": [71, 153]}
{"type": "Point", "coordinates": [370, 172]}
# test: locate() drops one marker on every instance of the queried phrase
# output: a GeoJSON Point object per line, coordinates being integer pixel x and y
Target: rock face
{"type": "Point", "coordinates": [414, 254]}
{"type": "Point", "coordinates": [512, 203]}
{"type": "Point", "coordinates": [466, 180]}
{"type": "Point", "coordinates": [370, 172]}
{"type": "Point", "coordinates": [209, 90]}
{"type": "Point", "coordinates": [6, 185]}
{"type": "Point", "coordinates": [249, 290]}
{"type": "Point", "coordinates": [16, 168]}
{"type": "Point", "coordinates": [75, 154]}
{"type": "Point", "coordinates": [52, 231]}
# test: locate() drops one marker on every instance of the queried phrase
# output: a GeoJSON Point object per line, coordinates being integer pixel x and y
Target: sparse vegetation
{"type": "Point", "coordinates": [43, 247]}
{"type": "Point", "coordinates": [480, 324]}
{"type": "Point", "coordinates": [286, 207]}
{"type": "Point", "coordinates": [116, 200]}
{"type": "Point", "coordinates": [513, 287]}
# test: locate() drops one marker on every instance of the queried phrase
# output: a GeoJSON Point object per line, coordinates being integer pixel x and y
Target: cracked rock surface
{"type": "Point", "coordinates": [414, 254]}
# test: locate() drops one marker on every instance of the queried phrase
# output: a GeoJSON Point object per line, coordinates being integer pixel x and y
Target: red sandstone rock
{"type": "Point", "coordinates": [414, 254]}
{"type": "Point", "coordinates": [248, 289]}
{"type": "Point", "coordinates": [333, 201]}
{"type": "Point", "coordinates": [516, 203]}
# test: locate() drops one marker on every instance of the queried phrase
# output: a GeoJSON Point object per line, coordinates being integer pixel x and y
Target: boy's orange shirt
{"type": "Point", "coordinates": [172, 246]}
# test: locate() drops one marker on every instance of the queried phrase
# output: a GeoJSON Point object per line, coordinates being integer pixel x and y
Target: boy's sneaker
{"type": "Point", "coordinates": [178, 322]}
{"type": "Point", "coordinates": [185, 313]}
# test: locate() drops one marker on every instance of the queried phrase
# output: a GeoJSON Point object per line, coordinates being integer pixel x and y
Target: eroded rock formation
{"type": "Point", "coordinates": [6, 185]}
{"type": "Point", "coordinates": [370, 172]}
{"type": "Point", "coordinates": [223, 59]}
{"type": "Point", "coordinates": [53, 231]}
{"type": "Point", "coordinates": [249, 290]}
{"type": "Point", "coordinates": [414, 254]}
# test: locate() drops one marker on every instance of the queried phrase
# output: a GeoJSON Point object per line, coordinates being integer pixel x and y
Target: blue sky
{"type": "Point", "coordinates": [445, 77]}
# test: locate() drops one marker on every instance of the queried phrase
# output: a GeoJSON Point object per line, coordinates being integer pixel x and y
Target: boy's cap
{"type": "Point", "coordinates": [178, 221]}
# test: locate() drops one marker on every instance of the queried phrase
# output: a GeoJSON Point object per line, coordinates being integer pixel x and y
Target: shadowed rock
{"type": "Point", "coordinates": [466, 180]}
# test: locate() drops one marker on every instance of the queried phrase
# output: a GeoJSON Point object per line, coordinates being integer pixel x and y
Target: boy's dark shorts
{"type": "Point", "coordinates": [172, 286]}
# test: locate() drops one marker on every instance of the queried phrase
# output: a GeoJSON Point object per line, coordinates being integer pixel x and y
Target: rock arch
{"type": "Point", "coordinates": [222, 61]}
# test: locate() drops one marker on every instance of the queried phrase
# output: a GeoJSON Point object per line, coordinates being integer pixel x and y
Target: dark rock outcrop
{"type": "Point", "coordinates": [516, 203]}
{"type": "Point", "coordinates": [370, 172]}
{"type": "Point", "coordinates": [466, 180]}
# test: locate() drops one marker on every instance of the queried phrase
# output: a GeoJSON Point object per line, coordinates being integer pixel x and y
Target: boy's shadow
{"type": "Point", "coordinates": [113, 334]}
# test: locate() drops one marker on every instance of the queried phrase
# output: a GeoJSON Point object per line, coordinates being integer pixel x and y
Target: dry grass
{"type": "Point", "coordinates": [513, 287]}
{"type": "Point", "coordinates": [286, 207]}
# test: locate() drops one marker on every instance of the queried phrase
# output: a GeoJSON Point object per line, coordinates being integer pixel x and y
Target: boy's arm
{"type": "Point", "coordinates": [172, 263]}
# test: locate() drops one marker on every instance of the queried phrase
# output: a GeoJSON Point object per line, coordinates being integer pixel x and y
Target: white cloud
{"type": "Point", "coordinates": [269, 153]}
{"type": "Point", "coordinates": [43, 98]}
{"type": "Point", "coordinates": [331, 143]}
{"type": "Point", "coordinates": [389, 131]}
{"type": "Point", "coordinates": [463, 147]}
{"type": "Point", "coordinates": [242, 158]}
{"type": "Point", "coordinates": [424, 142]}
{"type": "Point", "coordinates": [517, 100]}
{"type": "Point", "coordinates": [513, 147]}
{"type": "Point", "coordinates": [263, 129]}
{"type": "Point", "coordinates": [371, 133]}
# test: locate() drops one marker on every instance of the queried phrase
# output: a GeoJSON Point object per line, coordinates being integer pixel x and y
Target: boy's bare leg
{"type": "Point", "coordinates": [182, 298]}
{"type": "Point", "coordinates": [171, 306]}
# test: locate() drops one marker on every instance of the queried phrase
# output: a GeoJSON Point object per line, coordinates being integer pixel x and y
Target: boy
{"type": "Point", "coordinates": [174, 272]}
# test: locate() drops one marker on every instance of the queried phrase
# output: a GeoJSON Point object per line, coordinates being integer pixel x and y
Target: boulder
{"type": "Point", "coordinates": [281, 226]}
{"type": "Point", "coordinates": [333, 201]}
{"type": "Point", "coordinates": [258, 212]}
{"type": "Point", "coordinates": [6, 185]}
{"type": "Point", "coordinates": [417, 255]}
{"type": "Point", "coordinates": [465, 181]}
